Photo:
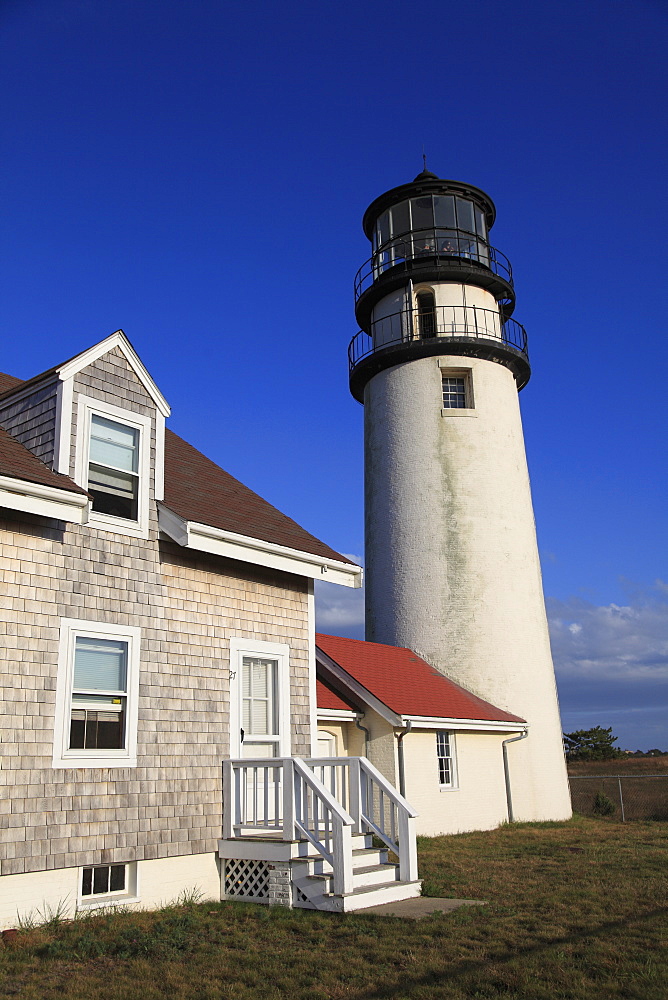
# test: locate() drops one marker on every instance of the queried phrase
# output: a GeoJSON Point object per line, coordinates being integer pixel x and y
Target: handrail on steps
{"type": "Point", "coordinates": [282, 794]}
{"type": "Point", "coordinates": [375, 805]}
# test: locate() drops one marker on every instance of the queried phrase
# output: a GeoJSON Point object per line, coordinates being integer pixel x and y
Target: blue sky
{"type": "Point", "coordinates": [195, 173]}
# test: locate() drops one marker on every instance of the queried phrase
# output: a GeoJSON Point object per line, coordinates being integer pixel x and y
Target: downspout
{"type": "Point", "coordinates": [400, 756]}
{"type": "Point", "coordinates": [363, 729]}
{"type": "Point", "coordinates": [509, 799]}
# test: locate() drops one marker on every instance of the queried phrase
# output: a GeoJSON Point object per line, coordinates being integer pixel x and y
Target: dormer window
{"type": "Point", "coordinates": [113, 452]}
{"type": "Point", "coordinates": [113, 469]}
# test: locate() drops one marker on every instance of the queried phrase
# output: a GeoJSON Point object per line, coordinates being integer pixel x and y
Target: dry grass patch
{"type": "Point", "coordinates": [575, 911]}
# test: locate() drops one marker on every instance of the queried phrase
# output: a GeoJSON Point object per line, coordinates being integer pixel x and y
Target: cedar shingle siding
{"type": "Point", "coordinates": [187, 605]}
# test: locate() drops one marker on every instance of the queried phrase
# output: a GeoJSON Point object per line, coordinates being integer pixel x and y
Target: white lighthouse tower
{"type": "Point", "coordinates": [452, 568]}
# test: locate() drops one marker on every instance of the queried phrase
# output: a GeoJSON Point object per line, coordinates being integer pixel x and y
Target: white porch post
{"type": "Point", "coordinates": [288, 770]}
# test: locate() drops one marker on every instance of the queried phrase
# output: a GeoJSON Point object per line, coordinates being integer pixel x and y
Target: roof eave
{"type": "Point", "coordinates": [45, 501]}
{"type": "Point", "coordinates": [231, 545]}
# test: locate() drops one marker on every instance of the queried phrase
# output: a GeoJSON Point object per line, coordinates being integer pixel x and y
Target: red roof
{"type": "Point", "coordinates": [406, 683]}
{"type": "Point", "coordinates": [327, 697]}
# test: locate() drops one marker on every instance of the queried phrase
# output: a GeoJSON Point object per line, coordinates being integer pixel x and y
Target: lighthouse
{"type": "Point", "coordinates": [452, 566]}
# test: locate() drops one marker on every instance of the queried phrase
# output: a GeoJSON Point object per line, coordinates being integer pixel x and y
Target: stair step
{"type": "Point", "coordinates": [375, 875]}
{"type": "Point", "coordinates": [390, 892]}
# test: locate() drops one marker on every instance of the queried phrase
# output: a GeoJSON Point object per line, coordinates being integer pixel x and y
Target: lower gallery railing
{"type": "Point", "coordinates": [322, 800]}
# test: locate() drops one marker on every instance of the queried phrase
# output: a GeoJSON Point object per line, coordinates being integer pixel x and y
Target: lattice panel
{"type": "Point", "coordinates": [247, 878]}
{"type": "Point", "coordinates": [302, 900]}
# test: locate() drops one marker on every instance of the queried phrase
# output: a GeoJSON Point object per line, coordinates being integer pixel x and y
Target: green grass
{"type": "Point", "coordinates": [575, 911]}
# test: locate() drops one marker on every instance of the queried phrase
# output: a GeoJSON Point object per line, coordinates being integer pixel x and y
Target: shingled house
{"type": "Point", "coordinates": [159, 709]}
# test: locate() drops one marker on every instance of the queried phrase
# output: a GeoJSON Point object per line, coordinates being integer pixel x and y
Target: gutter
{"type": "Point", "coordinates": [363, 729]}
{"type": "Point", "coordinates": [506, 771]}
{"type": "Point", "coordinates": [400, 755]}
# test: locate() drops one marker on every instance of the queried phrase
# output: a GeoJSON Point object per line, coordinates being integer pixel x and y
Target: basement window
{"type": "Point", "coordinates": [102, 885]}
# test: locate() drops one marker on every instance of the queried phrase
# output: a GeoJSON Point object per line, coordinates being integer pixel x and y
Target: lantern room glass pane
{"type": "Point", "coordinates": [422, 213]}
{"type": "Point", "coordinates": [400, 219]}
{"type": "Point", "coordinates": [480, 226]}
{"type": "Point", "coordinates": [465, 215]}
{"type": "Point", "coordinates": [444, 211]}
{"type": "Point", "coordinates": [383, 228]}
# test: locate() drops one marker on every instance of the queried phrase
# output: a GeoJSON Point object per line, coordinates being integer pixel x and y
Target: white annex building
{"type": "Point", "coordinates": [171, 720]}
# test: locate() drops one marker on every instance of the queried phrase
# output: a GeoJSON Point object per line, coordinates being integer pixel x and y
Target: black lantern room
{"type": "Point", "coordinates": [428, 232]}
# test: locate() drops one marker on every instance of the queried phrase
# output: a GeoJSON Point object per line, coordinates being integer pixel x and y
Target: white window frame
{"type": "Point", "coordinates": [103, 899]}
{"type": "Point", "coordinates": [87, 408]}
{"type": "Point", "coordinates": [446, 371]}
{"type": "Point", "coordinates": [278, 651]}
{"type": "Point", "coordinates": [70, 630]}
{"type": "Point", "coordinates": [453, 784]}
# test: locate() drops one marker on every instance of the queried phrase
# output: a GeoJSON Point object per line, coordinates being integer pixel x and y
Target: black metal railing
{"type": "Point", "coordinates": [452, 246]}
{"type": "Point", "coordinates": [459, 322]}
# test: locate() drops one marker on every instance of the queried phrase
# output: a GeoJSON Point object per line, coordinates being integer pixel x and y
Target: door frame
{"type": "Point", "coordinates": [280, 652]}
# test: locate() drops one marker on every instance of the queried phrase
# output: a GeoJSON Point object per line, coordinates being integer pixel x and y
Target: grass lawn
{"type": "Point", "coordinates": [575, 911]}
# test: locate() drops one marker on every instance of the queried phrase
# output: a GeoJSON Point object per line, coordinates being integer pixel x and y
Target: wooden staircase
{"type": "Point", "coordinates": [301, 833]}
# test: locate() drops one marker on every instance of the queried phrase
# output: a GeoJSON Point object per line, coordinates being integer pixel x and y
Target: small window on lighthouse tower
{"type": "Point", "coordinates": [454, 392]}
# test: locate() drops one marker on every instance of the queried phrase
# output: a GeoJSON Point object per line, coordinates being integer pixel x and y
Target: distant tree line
{"type": "Point", "coordinates": [598, 744]}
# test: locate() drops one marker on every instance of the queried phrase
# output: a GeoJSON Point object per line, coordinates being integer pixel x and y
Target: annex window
{"type": "Point", "coordinates": [96, 696]}
{"type": "Point", "coordinates": [446, 759]}
{"type": "Point", "coordinates": [113, 464]}
{"type": "Point", "coordinates": [454, 392]}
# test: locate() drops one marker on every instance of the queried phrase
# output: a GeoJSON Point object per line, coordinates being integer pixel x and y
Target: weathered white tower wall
{"type": "Point", "coordinates": [452, 566]}
{"type": "Point", "coordinates": [451, 555]}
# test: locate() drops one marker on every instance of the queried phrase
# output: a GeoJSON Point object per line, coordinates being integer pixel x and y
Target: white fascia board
{"type": "Point", "coordinates": [45, 501]}
{"type": "Point", "coordinates": [120, 341]}
{"type": "Point", "coordinates": [349, 684]}
{"type": "Point", "coordinates": [437, 722]}
{"type": "Point", "coordinates": [231, 545]}
{"type": "Point", "coordinates": [337, 715]}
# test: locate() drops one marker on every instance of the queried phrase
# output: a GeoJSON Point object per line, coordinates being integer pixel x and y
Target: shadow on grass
{"type": "Point", "coordinates": [407, 984]}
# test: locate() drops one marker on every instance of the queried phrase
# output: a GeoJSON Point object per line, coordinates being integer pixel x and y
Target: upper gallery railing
{"type": "Point", "coordinates": [411, 325]}
{"type": "Point", "coordinates": [451, 246]}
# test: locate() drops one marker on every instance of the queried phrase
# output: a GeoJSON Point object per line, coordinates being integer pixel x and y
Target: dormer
{"type": "Point", "coordinates": [99, 419]}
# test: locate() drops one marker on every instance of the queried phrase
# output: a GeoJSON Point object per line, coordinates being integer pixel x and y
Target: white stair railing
{"type": "Point", "coordinates": [374, 804]}
{"type": "Point", "coordinates": [283, 796]}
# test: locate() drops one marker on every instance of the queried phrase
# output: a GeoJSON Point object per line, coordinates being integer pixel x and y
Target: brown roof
{"type": "Point", "coordinates": [9, 382]}
{"type": "Point", "coordinates": [19, 463]}
{"type": "Point", "coordinates": [199, 490]}
{"type": "Point", "coordinates": [195, 488]}
{"type": "Point", "coordinates": [406, 683]}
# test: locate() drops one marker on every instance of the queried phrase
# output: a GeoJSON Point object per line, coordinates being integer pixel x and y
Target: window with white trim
{"type": "Point", "coordinates": [96, 695]}
{"type": "Point", "coordinates": [457, 390]}
{"type": "Point", "coordinates": [113, 467]}
{"type": "Point", "coordinates": [445, 756]}
{"type": "Point", "coordinates": [104, 884]}
{"type": "Point", "coordinates": [113, 464]}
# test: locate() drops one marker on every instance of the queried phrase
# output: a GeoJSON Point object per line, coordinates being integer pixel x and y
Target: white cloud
{"type": "Point", "coordinates": [611, 642]}
{"type": "Point", "coordinates": [340, 610]}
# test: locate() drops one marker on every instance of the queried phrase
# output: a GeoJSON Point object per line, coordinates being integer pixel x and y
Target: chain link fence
{"type": "Point", "coordinates": [620, 796]}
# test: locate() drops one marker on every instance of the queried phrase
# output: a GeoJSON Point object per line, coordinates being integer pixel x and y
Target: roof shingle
{"type": "Point", "coordinates": [406, 683]}
{"type": "Point", "coordinates": [199, 490]}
